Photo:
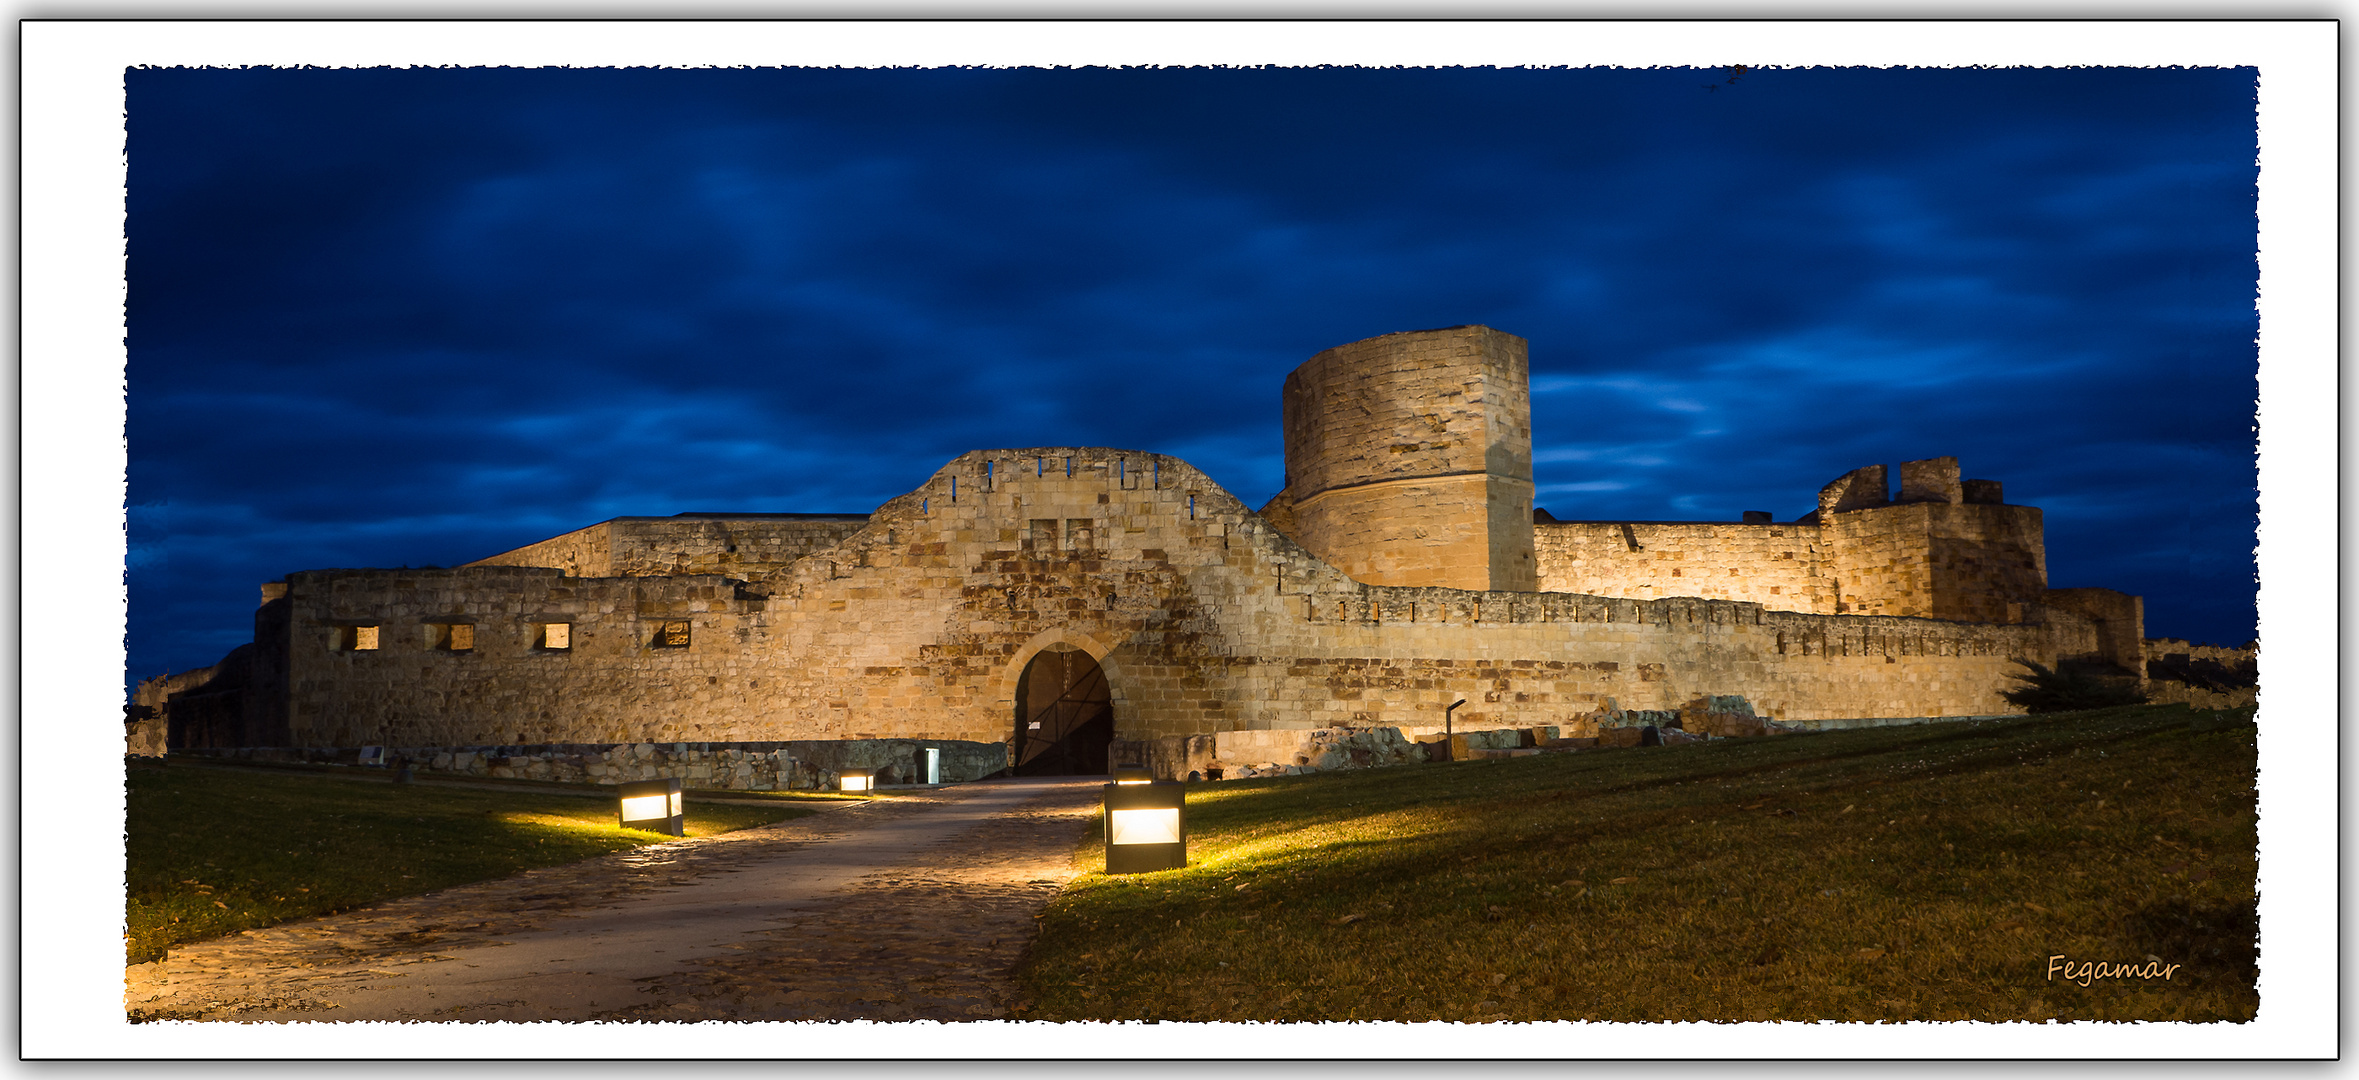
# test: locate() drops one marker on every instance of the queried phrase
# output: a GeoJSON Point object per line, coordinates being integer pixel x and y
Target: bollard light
{"type": "Point", "coordinates": [653, 805]}
{"type": "Point", "coordinates": [862, 781]}
{"type": "Point", "coordinates": [1146, 827]}
{"type": "Point", "coordinates": [1133, 774]}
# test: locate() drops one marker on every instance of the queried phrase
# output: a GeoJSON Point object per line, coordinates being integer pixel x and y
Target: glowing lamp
{"type": "Point", "coordinates": [1133, 774]}
{"type": "Point", "coordinates": [1146, 827]}
{"type": "Point", "coordinates": [862, 781]}
{"type": "Point", "coordinates": [653, 805]}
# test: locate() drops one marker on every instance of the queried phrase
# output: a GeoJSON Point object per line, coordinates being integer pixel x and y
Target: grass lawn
{"type": "Point", "coordinates": [1894, 873]}
{"type": "Point", "coordinates": [213, 851]}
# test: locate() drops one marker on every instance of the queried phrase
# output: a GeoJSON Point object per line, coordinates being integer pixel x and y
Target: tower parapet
{"type": "Point", "coordinates": [1946, 548]}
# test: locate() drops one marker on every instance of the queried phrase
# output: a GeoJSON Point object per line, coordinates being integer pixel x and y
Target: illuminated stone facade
{"type": "Point", "coordinates": [1330, 609]}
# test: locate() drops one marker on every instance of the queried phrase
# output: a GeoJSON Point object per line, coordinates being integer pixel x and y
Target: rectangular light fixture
{"type": "Point", "coordinates": [862, 781]}
{"type": "Point", "coordinates": [1146, 826]}
{"type": "Point", "coordinates": [1133, 774]}
{"type": "Point", "coordinates": [653, 805]}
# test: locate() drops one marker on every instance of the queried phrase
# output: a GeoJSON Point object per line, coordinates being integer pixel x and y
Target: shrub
{"type": "Point", "coordinates": [2072, 685]}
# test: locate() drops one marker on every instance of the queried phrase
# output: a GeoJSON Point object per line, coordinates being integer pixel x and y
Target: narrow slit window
{"type": "Point", "coordinates": [673, 634]}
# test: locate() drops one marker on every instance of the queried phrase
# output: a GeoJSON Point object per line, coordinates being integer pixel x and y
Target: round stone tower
{"type": "Point", "coordinates": [1409, 459]}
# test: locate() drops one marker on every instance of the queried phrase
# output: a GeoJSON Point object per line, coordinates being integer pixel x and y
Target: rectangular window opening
{"type": "Point", "coordinates": [554, 635]}
{"type": "Point", "coordinates": [361, 638]}
{"type": "Point", "coordinates": [673, 634]}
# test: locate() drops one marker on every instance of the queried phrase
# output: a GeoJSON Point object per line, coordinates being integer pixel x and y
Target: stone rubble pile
{"type": "Point", "coordinates": [1245, 755]}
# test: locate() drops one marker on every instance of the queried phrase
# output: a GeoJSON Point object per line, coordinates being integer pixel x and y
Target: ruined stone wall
{"type": "Point", "coordinates": [1409, 462]}
{"type": "Point", "coordinates": [1204, 617]}
{"type": "Point", "coordinates": [1775, 565]}
{"type": "Point", "coordinates": [144, 738]}
{"type": "Point", "coordinates": [2230, 655]}
{"type": "Point", "coordinates": [740, 547]}
{"type": "Point", "coordinates": [2116, 625]}
{"type": "Point", "coordinates": [150, 696]}
{"type": "Point", "coordinates": [586, 552]}
{"type": "Point", "coordinates": [2201, 676]}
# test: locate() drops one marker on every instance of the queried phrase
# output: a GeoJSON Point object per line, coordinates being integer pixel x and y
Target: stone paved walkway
{"type": "Point", "coordinates": [914, 907]}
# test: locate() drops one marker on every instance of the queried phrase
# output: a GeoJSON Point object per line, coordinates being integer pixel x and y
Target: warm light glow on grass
{"type": "Point", "coordinates": [1903, 873]}
{"type": "Point", "coordinates": [213, 851]}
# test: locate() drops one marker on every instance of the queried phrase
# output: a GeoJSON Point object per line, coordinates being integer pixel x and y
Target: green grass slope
{"type": "Point", "coordinates": [1926, 872]}
{"type": "Point", "coordinates": [213, 851]}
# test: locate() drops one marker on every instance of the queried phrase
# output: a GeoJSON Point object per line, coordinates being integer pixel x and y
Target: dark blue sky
{"type": "Point", "coordinates": [390, 317]}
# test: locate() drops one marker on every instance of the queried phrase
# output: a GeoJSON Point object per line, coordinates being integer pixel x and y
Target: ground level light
{"type": "Point", "coordinates": [1146, 827]}
{"type": "Point", "coordinates": [653, 805]}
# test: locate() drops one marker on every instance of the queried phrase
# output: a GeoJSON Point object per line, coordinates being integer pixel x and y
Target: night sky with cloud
{"type": "Point", "coordinates": [417, 317]}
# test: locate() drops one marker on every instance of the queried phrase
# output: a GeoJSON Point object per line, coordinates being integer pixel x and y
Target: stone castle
{"type": "Point", "coordinates": [1030, 608]}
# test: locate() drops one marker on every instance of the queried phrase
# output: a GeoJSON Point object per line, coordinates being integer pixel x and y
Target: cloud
{"type": "Point", "coordinates": [423, 316]}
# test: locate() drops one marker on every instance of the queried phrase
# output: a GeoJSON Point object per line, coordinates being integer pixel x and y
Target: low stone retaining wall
{"type": "Point", "coordinates": [1240, 755]}
{"type": "Point", "coordinates": [744, 766]}
{"type": "Point", "coordinates": [1236, 755]}
{"type": "Point", "coordinates": [2165, 692]}
{"type": "Point", "coordinates": [1891, 721]}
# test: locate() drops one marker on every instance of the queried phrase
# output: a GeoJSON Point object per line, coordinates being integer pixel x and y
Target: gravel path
{"type": "Point", "coordinates": [914, 907]}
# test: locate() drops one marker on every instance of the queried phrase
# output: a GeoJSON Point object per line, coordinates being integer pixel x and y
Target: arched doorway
{"type": "Point", "coordinates": [1064, 715]}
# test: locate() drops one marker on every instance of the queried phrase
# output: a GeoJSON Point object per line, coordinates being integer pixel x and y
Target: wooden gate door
{"type": "Point", "coordinates": [1064, 716]}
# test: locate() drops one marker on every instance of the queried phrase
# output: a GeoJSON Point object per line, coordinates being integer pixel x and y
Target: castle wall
{"type": "Point", "coordinates": [1986, 562]}
{"type": "Point", "coordinates": [741, 547]}
{"type": "Point", "coordinates": [2231, 655]}
{"type": "Point", "coordinates": [2176, 671]}
{"type": "Point", "coordinates": [1408, 459]}
{"type": "Point", "coordinates": [1945, 549]}
{"type": "Point", "coordinates": [1935, 553]}
{"type": "Point", "coordinates": [1879, 561]}
{"type": "Point", "coordinates": [1966, 563]}
{"type": "Point", "coordinates": [1204, 617]}
{"type": "Point", "coordinates": [612, 683]}
{"type": "Point", "coordinates": [586, 552]}
{"type": "Point", "coordinates": [1778, 566]}
{"type": "Point", "coordinates": [2116, 625]}
{"type": "Point", "coordinates": [240, 701]}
